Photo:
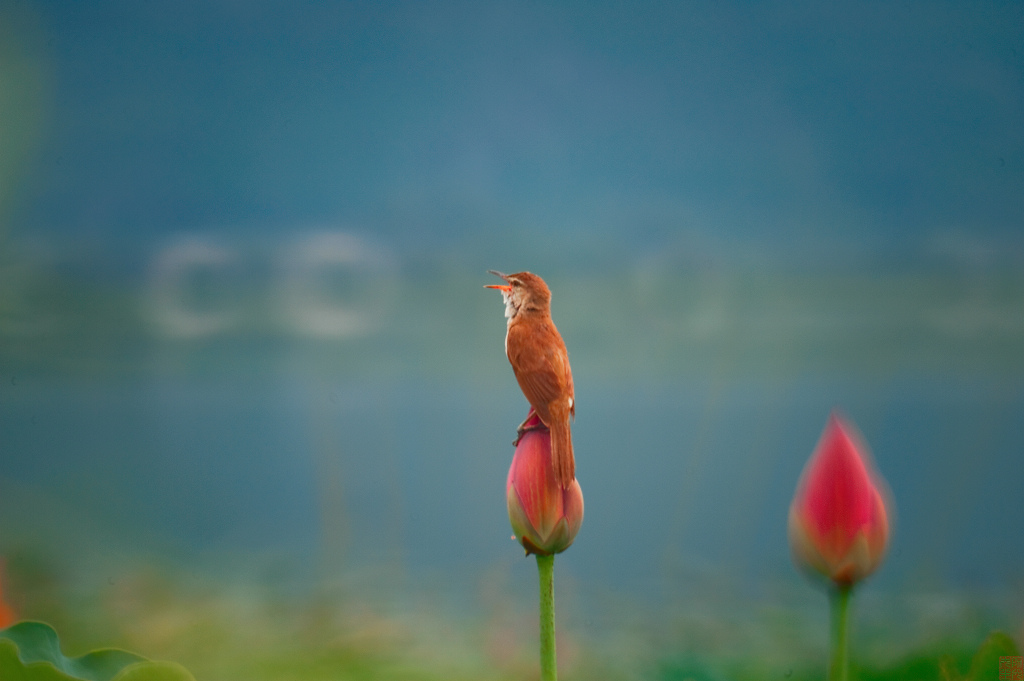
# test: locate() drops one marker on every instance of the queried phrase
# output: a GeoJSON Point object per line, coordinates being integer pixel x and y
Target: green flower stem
{"type": "Point", "coordinates": [839, 666]}
{"type": "Point", "coordinates": [548, 660]}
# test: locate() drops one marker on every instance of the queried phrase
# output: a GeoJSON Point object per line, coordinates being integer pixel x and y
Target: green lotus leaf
{"type": "Point", "coordinates": [30, 651]}
{"type": "Point", "coordinates": [985, 664]}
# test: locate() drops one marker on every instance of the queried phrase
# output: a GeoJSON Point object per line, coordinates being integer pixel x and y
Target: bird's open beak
{"type": "Point", "coordinates": [500, 287]}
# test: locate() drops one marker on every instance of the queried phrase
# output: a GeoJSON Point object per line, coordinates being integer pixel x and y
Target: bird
{"type": "Point", "coordinates": [540, 362]}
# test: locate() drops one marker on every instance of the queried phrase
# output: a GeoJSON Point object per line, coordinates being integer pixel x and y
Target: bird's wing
{"type": "Point", "coordinates": [541, 365]}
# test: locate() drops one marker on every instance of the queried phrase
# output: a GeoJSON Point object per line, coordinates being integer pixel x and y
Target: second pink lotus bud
{"type": "Point", "coordinates": [838, 521]}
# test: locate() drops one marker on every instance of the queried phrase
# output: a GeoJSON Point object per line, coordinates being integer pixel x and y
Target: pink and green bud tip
{"type": "Point", "coordinates": [838, 521]}
{"type": "Point", "coordinates": [545, 517]}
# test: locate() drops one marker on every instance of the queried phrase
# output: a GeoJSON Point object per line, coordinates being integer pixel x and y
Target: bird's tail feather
{"type": "Point", "coordinates": [562, 459]}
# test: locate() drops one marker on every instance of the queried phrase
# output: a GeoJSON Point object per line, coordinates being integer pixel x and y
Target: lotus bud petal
{"type": "Point", "coordinates": [838, 521]}
{"type": "Point", "coordinates": [544, 516]}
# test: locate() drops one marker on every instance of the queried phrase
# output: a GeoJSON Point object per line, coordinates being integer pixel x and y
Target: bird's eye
{"type": "Point", "coordinates": [515, 282]}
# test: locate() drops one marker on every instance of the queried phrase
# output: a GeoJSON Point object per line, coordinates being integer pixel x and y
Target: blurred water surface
{"type": "Point", "coordinates": [390, 445]}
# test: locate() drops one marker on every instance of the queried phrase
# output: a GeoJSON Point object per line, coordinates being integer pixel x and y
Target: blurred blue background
{"type": "Point", "coordinates": [243, 244]}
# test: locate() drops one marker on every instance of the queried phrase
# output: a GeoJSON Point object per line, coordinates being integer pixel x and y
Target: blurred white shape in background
{"type": "Point", "coordinates": [334, 284]}
{"type": "Point", "coordinates": [183, 306]}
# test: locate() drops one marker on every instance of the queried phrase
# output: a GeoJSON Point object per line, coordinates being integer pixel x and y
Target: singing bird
{"type": "Point", "coordinates": [541, 364]}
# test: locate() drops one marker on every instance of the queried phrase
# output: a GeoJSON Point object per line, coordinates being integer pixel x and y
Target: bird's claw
{"type": "Point", "coordinates": [523, 429]}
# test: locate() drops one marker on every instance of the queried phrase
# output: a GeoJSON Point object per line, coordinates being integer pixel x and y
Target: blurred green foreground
{"type": "Point", "coordinates": [265, 630]}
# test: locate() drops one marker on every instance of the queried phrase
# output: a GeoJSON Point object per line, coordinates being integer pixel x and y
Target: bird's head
{"type": "Point", "coordinates": [522, 291]}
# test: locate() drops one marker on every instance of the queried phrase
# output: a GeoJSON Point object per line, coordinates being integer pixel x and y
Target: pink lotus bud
{"type": "Point", "coordinates": [545, 517]}
{"type": "Point", "coordinates": [838, 523]}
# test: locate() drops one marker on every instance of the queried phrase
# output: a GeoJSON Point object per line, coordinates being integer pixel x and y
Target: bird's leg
{"type": "Point", "coordinates": [531, 422]}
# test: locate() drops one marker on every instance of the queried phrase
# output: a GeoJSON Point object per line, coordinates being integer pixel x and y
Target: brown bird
{"type": "Point", "coordinates": [541, 364]}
